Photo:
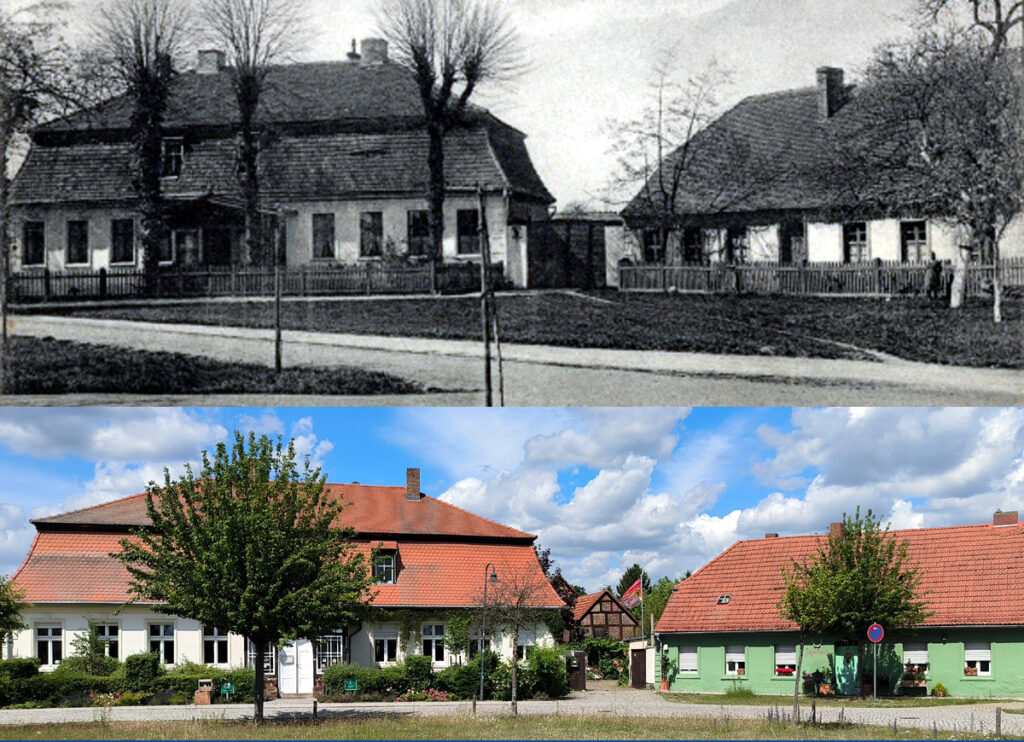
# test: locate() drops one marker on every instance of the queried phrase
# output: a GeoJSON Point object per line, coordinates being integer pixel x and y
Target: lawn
{"type": "Point", "coordinates": [48, 366]}
{"type": "Point", "coordinates": [468, 727]}
{"type": "Point", "coordinates": [786, 702]}
{"type": "Point", "coordinates": [914, 329]}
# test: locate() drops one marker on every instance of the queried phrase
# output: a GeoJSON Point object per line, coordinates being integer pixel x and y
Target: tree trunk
{"type": "Point", "coordinates": [261, 681]}
{"type": "Point", "coordinates": [249, 154]}
{"type": "Point", "coordinates": [956, 294]}
{"type": "Point", "coordinates": [149, 104]}
{"type": "Point", "coordinates": [5, 253]}
{"type": "Point", "coordinates": [515, 669]}
{"type": "Point", "coordinates": [860, 669]}
{"type": "Point", "coordinates": [796, 682]}
{"type": "Point", "coordinates": [435, 191]}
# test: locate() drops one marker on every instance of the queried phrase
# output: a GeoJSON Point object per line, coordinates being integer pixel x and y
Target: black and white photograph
{"type": "Point", "coordinates": [473, 202]}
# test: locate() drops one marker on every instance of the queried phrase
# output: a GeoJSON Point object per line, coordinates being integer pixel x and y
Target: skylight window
{"type": "Point", "coordinates": [723, 599]}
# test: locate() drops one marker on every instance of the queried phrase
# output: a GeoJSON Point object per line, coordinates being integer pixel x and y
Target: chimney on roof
{"type": "Point", "coordinates": [412, 484]}
{"type": "Point", "coordinates": [835, 529]}
{"type": "Point", "coordinates": [831, 93]}
{"type": "Point", "coordinates": [1008, 518]}
{"type": "Point", "coordinates": [211, 61]}
{"type": "Point", "coordinates": [375, 51]}
{"type": "Point", "coordinates": [353, 56]}
{"type": "Point", "coordinates": [771, 535]}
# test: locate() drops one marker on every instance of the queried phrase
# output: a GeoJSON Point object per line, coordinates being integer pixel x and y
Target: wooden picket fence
{"type": "Point", "coordinates": [813, 279]}
{"type": "Point", "coordinates": [367, 279]}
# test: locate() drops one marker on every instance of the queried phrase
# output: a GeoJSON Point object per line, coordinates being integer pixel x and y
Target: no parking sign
{"type": "Point", "coordinates": [875, 632]}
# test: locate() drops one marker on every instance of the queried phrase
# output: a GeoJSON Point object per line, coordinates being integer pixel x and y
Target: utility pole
{"type": "Point", "coordinates": [485, 290]}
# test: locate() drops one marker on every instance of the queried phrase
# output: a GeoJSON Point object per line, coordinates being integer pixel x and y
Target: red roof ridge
{"type": "Point", "coordinates": [86, 509]}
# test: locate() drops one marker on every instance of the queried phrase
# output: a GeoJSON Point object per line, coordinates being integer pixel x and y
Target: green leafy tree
{"type": "Point", "coordinates": [91, 652]}
{"type": "Point", "coordinates": [633, 573]}
{"type": "Point", "coordinates": [456, 632]}
{"type": "Point", "coordinates": [514, 606]}
{"type": "Point", "coordinates": [866, 576]}
{"type": "Point", "coordinates": [657, 597]}
{"type": "Point", "coordinates": [11, 605]}
{"type": "Point", "coordinates": [249, 546]}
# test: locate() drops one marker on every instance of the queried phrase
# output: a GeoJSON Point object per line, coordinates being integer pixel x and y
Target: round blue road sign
{"type": "Point", "coordinates": [875, 632]}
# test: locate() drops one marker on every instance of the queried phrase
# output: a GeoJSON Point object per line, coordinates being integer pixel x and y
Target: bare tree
{"type": "Point", "coordinates": [36, 82]}
{"type": "Point", "coordinates": [938, 132]}
{"type": "Point", "coordinates": [514, 606]}
{"type": "Point", "coordinates": [997, 17]}
{"type": "Point", "coordinates": [452, 47]}
{"type": "Point", "coordinates": [257, 34]}
{"type": "Point", "coordinates": [140, 41]}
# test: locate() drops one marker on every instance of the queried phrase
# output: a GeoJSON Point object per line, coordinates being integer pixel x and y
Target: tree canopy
{"type": "Point", "coordinates": [11, 605]}
{"type": "Point", "coordinates": [633, 573]}
{"type": "Point", "coordinates": [248, 546]}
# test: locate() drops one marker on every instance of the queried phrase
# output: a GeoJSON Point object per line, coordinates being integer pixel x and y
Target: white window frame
{"type": "Point", "coordinates": [785, 656]}
{"type": "Point", "coordinates": [688, 659]}
{"type": "Point", "coordinates": [526, 638]}
{"type": "Point", "coordinates": [434, 634]}
{"type": "Point", "coordinates": [915, 654]}
{"type": "Point", "coordinates": [269, 658]}
{"type": "Point", "coordinates": [735, 659]}
{"type": "Point", "coordinates": [385, 560]}
{"type": "Point", "coordinates": [475, 642]}
{"type": "Point", "coordinates": [979, 655]}
{"type": "Point", "coordinates": [387, 640]}
{"type": "Point", "coordinates": [108, 637]}
{"type": "Point", "coordinates": [213, 635]}
{"type": "Point", "coordinates": [161, 639]}
{"type": "Point", "coordinates": [53, 636]}
{"type": "Point", "coordinates": [330, 650]}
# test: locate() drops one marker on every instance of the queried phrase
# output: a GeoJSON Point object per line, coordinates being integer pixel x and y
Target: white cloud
{"type": "Point", "coordinates": [307, 445]}
{"type": "Point", "coordinates": [266, 423]}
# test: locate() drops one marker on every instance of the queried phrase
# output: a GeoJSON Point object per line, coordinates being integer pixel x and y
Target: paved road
{"type": "Point", "coordinates": [547, 375]}
{"type": "Point", "coordinates": [975, 718]}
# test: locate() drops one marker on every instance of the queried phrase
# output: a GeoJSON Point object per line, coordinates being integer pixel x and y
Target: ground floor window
{"type": "Point", "coordinates": [978, 658]}
{"type": "Point", "coordinates": [49, 644]}
{"type": "Point", "coordinates": [186, 246]}
{"type": "Point", "coordinates": [688, 659]}
{"type": "Point", "coordinates": [269, 657]}
{"type": "Point", "coordinates": [385, 647]}
{"type": "Point", "coordinates": [215, 646]}
{"type": "Point", "coordinates": [915, 655]}
{"type": "Point", "coordinates": [161, 641]}
{"type": "Point", "coordinates": [653, 246]}
{"type": "Point", "coordinates": [433, 641]}
{"type": "Point", "coordinates": [418, 232]}
{"type": "Point", "coordinates": [914, 242]}
{"type": "Point", "coordinates": [34, 243]}
{"type": "Point", "coordinates": [526, 639]}
{"type": "Point", "coordinates": [330, 650]}
{"type": "Point", "coordinates": [323, 236]}
{"type": "Point", "coordinates": [122, 241]}
{"type": "Point", "coordinates": [109, 635]}
{"type": "Point", "coordinates": [476, 643]}
{"type": "Point", "coordinates": [855, 242]}
{"type": "Point", "coordinates": [467, 231]}
{"type": "Point", "coordinates": [78, 242]}
{"type": "Point", "coordinates": [693, 245]}
{"type": "Point", "coordinates": [785, 659]}
{"type": "Point", "coordinates": [735, 660]}
{"type": "Point", "coordinates": [371, 234]}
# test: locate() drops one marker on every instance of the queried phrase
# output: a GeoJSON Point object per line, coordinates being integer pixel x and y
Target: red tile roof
{"type": "Point", "coordinates": [586, 602]}
{"type": "Point", "coordinates": [442, 550]}
{"type": "Point", "coordinates": [967, 578]}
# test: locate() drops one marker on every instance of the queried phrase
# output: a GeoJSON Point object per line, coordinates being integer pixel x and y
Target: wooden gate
{"type": "Point", "coordinates": [638, 668]}
{"type": "Point", "coordinates": [576, 665]}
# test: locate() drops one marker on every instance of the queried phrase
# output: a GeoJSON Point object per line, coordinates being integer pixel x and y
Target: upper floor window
{"type": "Point", "coordinates": [384, 568]}
{"type": "Point", "coordinates": [122, 241]}
{"type": "Point", "coordinates": [467, 229]}
{"type": "Point", "coordinates": [161, 641]}
{"type": "Point", "coordinates": [78, 242]}
{"type": "Point", "coordinates": [34, 243]}
{"type": "Point", "coordinates": [433, 641]}
{"type": "Point", "coordinates": [323, 236]}
{"type": "Point", "coordinates": [371, 234]}
{"type": "Point", "coordinates": [49, 644]}
{"type": "Point", "coordinates": [855, 242]}
{"type": "Point", "coordinates": [418, 232]}
{"type": "Point", "coordinates": [173, 157]}
{"type": "Point", "coordinates": [215, 646]}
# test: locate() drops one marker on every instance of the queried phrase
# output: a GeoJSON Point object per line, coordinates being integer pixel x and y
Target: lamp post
{"type": "Point", "coordinates": [490, 575]}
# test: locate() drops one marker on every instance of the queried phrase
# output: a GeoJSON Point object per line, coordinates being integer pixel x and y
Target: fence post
{"type": "Point", "coordinates": [103, 283]}
{"type": "Point", "coordinates": [46, 284]}
{"type": "Point", "coordinates": [234, 280]}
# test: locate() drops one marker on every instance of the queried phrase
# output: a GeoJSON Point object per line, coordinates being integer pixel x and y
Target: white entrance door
{"type": "Point", "coordinates": [295, 667]}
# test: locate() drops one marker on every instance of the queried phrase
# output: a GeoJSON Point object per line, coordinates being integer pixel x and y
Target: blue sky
{"type": "Point", "coordinates": [603, 488]}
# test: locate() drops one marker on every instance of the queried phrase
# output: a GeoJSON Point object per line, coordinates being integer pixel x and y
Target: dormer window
{"type": "Point", "coordinates": [172, 157]}
{"type": "Point", "coordinates": [384, 568]}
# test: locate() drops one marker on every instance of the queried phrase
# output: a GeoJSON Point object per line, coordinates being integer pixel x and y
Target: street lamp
{"type": "Point", "coordinates": [490, 575]}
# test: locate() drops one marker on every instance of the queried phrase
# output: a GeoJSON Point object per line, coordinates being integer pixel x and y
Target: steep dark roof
{"type": "Point", "coordinates": [338, 129]}
{"type": "Point", "coordinates": [764, 154]}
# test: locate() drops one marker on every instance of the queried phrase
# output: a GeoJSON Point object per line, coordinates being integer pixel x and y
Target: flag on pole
{"type": "Point", "coordinates": [634, 595]}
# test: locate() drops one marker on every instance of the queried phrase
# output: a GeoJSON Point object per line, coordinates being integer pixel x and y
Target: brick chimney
{"type": "Point", "coordinates": [831, 93]}
{"type": "Point", "coordinates": [211, 61]}
{"type": "Point", "coordinates": [835, 529]}
{"type": "Point", "coordinates": [412, 484]}
{"type": "Point", "coordinates": [771, 535]}
{"type": "Point", "coordinates": [375, 51]}
{"type": "Point", "coordinates": [353, 56]}
{"type": "Point", "coordinates": [1009, 518]}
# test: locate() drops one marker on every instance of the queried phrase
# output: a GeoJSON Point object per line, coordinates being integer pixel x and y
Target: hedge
{"type": "Point", "coordinates": [19, 667]}
{"type": "Point", "coordinates": [369, 680]}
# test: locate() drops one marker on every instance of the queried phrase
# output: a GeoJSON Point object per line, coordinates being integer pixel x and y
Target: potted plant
{"type": "Point", "coordinates": [667, 669]}
{"type": "Point", "coordinates": [971, 671]}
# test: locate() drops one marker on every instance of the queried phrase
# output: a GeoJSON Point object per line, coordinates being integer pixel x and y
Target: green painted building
{"type": "Point", "coordinates": [722, 628]}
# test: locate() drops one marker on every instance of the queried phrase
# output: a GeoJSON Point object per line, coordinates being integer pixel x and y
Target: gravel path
{"type": "Point", "coordinates": [976, 719]}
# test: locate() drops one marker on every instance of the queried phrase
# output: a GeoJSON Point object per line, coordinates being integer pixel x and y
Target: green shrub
{"type": "Point", "coordinates": [939, 691]}
{"type": "Point", "coordinates": [131, 698]}
{"type": "Point", "coordinates": [501, 680]}
{"type": "Point", "coordinates": [53, 689]}
{"type": "Point", "coordinates": [141, 671]}
{"type": "Point", "coordinates": [180, 684]}
{"type": "Point", "coordinates": [739, 691]}
{"type": "Point", "coordinates": [608, 654]}
{"type": "Point", "coordinates": [547, 668]}
{"type": "Point", "coordinates": [81, 664]}
{"type": "Point", "coordinates": [24, 667]}
{"type": "Point", "coordinates": [418, 671]}
{"type": "Point", "coordinates": [463, 681]}
{"type": "Point", "coordinates": [370, 681]}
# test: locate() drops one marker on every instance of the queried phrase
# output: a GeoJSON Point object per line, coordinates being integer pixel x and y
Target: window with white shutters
{"type": "Point", "coordinates": [688, 659]}
{"type": "Point", "coordinates": [785, 659]}
{"type": "Point", "coordinates": [735, 660]}
{"type": "Point", "coordinates": [915, 656]}
{"type": "Point", "coordinates": [978, 657]}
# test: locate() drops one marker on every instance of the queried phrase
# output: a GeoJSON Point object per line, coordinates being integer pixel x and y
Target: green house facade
{"type": "Point", "coordinates": [722, 628]}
